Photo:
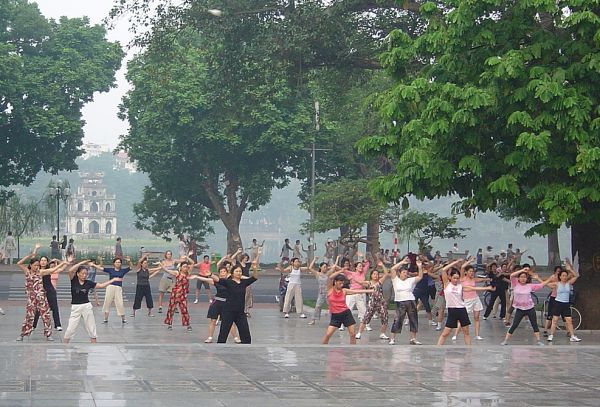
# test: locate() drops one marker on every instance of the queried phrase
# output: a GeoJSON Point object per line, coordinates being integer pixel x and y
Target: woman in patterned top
{"type": "Point", "coordinates": [36, 296]}
{"type": "Point", "coordinates": [180, 292]}
{"type": "Point", "coordinates": [322, 276]}
{"type": "Point", "coordinates": [377, 302]}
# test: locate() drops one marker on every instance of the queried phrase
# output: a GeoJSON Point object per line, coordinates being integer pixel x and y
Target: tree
{"type": "Point", "coordinates": [214, 122]}
{"type": "Point", "coordinates": [346, 205]}
{"type": "Point", "coordinates": [21, 216]}
{"type": "Point", "coordinates": [48, 71]}
{"type": "Point", "coordinates": [423, 226]}
{"type": "Point", "coordinates": [497, 102]}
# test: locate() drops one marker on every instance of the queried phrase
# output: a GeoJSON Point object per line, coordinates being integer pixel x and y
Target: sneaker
{"type": "Point", "coordinates": [504, 343]}
{"type": "Point", "coordinates": [132, 316]}
{"type": "Point", "coordinates": [574, 338]}
{"type": "Point", "coordinates": [432, 323]}
{"type": "Point", "coordinates": [479, 338]}
{"type": "Point", "coordinates": [368, 328]}
{"type": "Point", "coordinates": [2, 312]}
{"type": "Point", "coordinates": [485, 318]}
{"type": "Point", "coordinates": [189, 329]}
{"type": "Point", "coordinates": [196, 301]}
{"type": "Point", "coordinates": [286, 316]}
{"type": "Point", "coordinates": [19, 339]}
{"type": "Point", "coordinates": [406, 322]}
{"type": "Point", "coordinates": [237, 340]}
{"type": "Point", "coordinates": [341, 328]}
{"type": "Point", "coordinates": [312, 322]}
{"type": "Point", "coordinates": [358, 335]}
{"type": "Point", "coordinates": [454, 338]}
{"type": "Point", "coordinates": [59, 328]}
{"type": "Point", "coordinates": [151, 315]}
{"type": "Point", "coordinates": [545, 334]}
{"type": "Point", "coordinates": [105, 321]}
{"type": "Point", "coordinates": [384, 336]}
{"type": "Point", "coordinates": [208, 340]}
{"type": "Point", "coordinates": [49, 339]}
{"type": "Point", "coordinates": [438, 328]}
{"type": "Point", "coordinates": [540, 343]}
{"type": "Point", "coordinates": [123, 321]}
{"type": "Point", "coordinates": [392, 342]}
{"type": "Point", "coordinates": [302, 316]}
{"type": "Point", "coordinates": [160, 310]}
{"type": "Point", "coordinates": [415, 342]}
{"type": "Point", "coordinates": [170, 327]}
{"type": "Point", "coordinates": [550, 338]}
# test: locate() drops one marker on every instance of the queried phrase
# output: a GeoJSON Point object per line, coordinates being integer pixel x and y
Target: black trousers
{"type": "Point", "coordinates": [530, 313]}
{"type": "Point", "coordinates": [53, 303]}
{"type": "Point", "coordinates": [493, 296]}
{"type": "Point", "coordinates": [228, 318]}
{"type": "Point", "coordinates": [143, 291]}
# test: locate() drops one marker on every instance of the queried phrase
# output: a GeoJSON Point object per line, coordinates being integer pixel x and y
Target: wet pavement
{"type": "Point", "coordinates": [143, 364]}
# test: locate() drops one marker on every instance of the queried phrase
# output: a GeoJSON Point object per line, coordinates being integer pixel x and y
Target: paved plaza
{"type": "Point", "coordinates": [142, 364]}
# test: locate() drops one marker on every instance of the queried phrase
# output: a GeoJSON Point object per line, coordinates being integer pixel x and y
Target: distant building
{"type": "Point", "coordinates": [122, 162]}
{"type": "Point", "coordinates": [92, 211]}
{"type": "Point", "coordinates": [94, 150]}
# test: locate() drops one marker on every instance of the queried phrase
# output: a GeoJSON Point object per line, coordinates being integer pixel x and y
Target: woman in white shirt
{"type": "Point", "coordinates": [405, 300]}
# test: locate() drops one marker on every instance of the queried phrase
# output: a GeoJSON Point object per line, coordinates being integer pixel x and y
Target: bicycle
{"type": "Point", "coordinates": [561, 325]}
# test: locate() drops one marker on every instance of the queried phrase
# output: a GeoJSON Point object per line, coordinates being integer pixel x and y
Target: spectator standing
{"type": "Point", "coordinates": [54, 248]}
{"type": "Point", "coordinates": [9, 248]}
{"type": "Point", "coordinates": [118, 251]}
{"type": "Point", "coordinates": [182, 247]}
{"type": "Point", "coordinates": [285, 252]}
{"type": "Point", "coordinates": [63, 247]}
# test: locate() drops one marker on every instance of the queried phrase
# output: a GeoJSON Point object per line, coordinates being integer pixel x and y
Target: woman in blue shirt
{"type": "Point", "coordinates": [114, 292]}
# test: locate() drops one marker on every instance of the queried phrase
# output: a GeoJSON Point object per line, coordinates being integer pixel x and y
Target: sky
{"type": "Point", "coordinates": [102, 124]}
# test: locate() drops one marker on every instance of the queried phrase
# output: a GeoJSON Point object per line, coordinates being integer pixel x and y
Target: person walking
{"type": "Point", "coordinates": [54, 248]}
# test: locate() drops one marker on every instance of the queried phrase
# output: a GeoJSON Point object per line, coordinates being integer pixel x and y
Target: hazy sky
{"type": "Point", "coordinates": [102, 124]}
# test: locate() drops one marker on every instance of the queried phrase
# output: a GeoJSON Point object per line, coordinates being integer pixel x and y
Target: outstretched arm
{"type": "Point", "coordinates": [21, 263]}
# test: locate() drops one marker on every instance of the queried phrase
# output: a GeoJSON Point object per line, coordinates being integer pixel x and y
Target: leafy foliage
{"type": "Point", "coordinates": [423, 226]}
{"type": "Point", "coordinates": [48, 71]}
{"type": "Point", "coordinates": [497, 102]}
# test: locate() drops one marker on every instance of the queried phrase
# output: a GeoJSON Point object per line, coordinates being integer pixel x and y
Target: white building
{"type": "Point", "coordinates": [94, 150]}
{"type": "Point", "coordinates": [92, 211]}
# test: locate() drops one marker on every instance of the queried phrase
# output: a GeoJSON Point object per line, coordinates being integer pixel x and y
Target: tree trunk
{"type": "Point", "coordinates": [553, 250]}
{"type": "Point", "coordinates": [234, 240]}
{"type": "Point", "coordinates": [373, 239]}
{"type": "Point", "coordinates": [585, 239]}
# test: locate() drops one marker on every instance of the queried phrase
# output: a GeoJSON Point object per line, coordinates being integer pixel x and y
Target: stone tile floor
{"type": "Point", "coordinates": [141, 364]}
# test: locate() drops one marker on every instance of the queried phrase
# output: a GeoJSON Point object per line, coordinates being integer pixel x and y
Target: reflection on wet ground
{"type": "Point", "coordinates": [143, 365]}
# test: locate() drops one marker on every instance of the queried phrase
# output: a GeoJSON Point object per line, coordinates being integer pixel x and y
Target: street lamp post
{"type": "Point", "coordinates": [63, 192]}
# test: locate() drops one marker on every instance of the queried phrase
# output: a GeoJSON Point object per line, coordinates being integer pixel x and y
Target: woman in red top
{"type": "Point", "coordinates": [180, 292]}
{"type": "Point", "coordinates": [340, 313]}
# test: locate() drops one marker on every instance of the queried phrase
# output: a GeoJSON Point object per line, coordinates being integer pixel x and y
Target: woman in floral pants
{"type": "Point", "coordinates": [36, 296]}
{"type": "Point", "coordinates": [180, 292]}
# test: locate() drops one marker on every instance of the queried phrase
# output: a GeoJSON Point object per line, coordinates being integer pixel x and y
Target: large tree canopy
{"type": "Point", "coordinates": [497, 102]}
{"type": "Point", "coordinates": [48, 71]}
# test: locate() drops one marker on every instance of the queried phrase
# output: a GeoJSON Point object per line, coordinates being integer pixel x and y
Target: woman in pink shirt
{"type": "Point", "coordinates": [523, 303]}
{"type": "Point", "coordinates": [340, 313]}
{"type": "Point", "coordinates": [457, 312]}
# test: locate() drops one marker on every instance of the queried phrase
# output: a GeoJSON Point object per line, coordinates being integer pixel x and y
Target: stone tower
{"type": "Point", "coordinates": [92, 211]}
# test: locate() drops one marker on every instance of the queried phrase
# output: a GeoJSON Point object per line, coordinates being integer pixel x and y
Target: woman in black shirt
{"type": "Point", "coordinates": [142, 288]}
{"type": "Point", "coordinates": [233, 309]}
{"type": "Point", "coordinates": [80, 303]}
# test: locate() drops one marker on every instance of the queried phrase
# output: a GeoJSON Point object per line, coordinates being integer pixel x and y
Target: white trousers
{"type": "Point", "coordinates": [79, 311]}
{"type": "Point", "coordinates": [293, 291]}
{"type": "Point", "coordinates": [114, 293]}
{"type": "Point", "coordinates": [361, 304]}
